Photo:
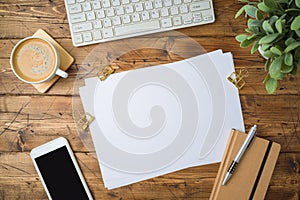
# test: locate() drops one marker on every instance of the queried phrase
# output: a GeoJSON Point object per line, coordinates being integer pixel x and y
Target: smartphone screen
{"type": "Point", "coordinates": [60, 176]}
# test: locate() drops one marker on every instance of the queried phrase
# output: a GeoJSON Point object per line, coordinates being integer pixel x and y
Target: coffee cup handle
{"type": "Point", "coordinates": [61, 73]}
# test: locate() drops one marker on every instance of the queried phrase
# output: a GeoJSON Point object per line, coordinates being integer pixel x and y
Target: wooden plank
{"type": "Point", "coordinates": [18, 174]}
{"type": "Point", "coordinates": [27, 121]}
{"type": "Point", "coordinates": [132, 60]}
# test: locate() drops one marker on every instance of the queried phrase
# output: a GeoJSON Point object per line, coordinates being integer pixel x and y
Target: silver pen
{"type": "Point", "coordinates": [239, 155]}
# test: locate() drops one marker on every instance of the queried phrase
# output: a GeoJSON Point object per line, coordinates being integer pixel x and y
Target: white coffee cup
{"type": "Point", "coordinates": [35, 60]}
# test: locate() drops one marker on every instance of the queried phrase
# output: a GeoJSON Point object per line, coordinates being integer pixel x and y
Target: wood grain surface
{"type": "Point", "coordinates": [29, 118]}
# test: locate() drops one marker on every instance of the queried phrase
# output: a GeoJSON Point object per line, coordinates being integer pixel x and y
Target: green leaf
{"type": "Point", "coordinates": [246, 43]}
{"type": "Point", "coordinates": [288, 59]}
{"type": "Point", "coordinates": [254, 47]}
{"type": "Point", "coordinates": [268, 38]}
{"type": "Point", "coordinates": [250, 10]}
{"type": "Point", "coordinates": [252, 37]}
{"type": "Point", "coordinates": [297, 32]}
{"type": "Point", "coordinates": [297, 3]}
{"type": "Point", "coordinates": [267, 27]}
{"type": "Point", "coordinates": [275, 68]}
{"type": "Point", "coordinates": [262, 6]}
{"type": "Point", "coordinates": [292, 47]}
{"type": "Point", "coordinates": [296, 23]}
{"type": "Point", "coordinates": [271, 85]}
{"type": "Point", "coordinates": [269, 54]}
{"type": "Point", "coordinates": [276, 51]}
{"type": "Point", "coordinates": [271, 4]}
{"type": "Point", "coordinates": [273, 19]}
{"type": "Point", "coordinates": [289, 41]}
{"type": "Point", "coordinates": [241, 37]}
{"type": "Point", "coordinates": [278, 26]}
{"type": "Point", "coordinates": [239, 12]}
{"type": "Point", "coordinates": [286, 69]}
{"type": "Point", "coordinates": [259, 15]}
{"type": "Point", "coordinates": [265, 47]}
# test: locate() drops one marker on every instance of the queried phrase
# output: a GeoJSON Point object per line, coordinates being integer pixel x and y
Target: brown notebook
{"type": "Point", "coordinates": [251, 177]}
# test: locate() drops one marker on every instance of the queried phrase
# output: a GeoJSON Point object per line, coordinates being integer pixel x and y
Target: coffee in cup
{"type": "Point", "coordinates": [35, 60]}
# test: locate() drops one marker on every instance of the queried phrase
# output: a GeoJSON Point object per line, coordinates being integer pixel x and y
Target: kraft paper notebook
{"type": "Point", "coordinates": [251, 177]}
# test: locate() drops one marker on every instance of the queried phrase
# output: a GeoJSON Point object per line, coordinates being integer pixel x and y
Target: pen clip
{"type": "Point", "coordinates": [250, 142]}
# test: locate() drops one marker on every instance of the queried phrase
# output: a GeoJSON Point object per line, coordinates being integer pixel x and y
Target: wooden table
{"type": "Point", "coordinates": [29, 118]}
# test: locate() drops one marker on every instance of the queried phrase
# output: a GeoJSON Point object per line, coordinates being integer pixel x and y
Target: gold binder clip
{"type": "Point", "coordinates": [102, 75]}
{"type": "Point", "coordinates": [238, 78]}
{"type": "Point", "coordinates": [85, 120]}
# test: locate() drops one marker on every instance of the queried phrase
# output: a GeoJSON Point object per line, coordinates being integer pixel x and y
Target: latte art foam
{"type": "Point", "coordinates": [41, 63]}
{"type": "Point", "coordinates": [34, 60]}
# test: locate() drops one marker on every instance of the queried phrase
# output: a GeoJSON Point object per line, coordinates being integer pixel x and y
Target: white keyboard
{"type": "Point", "coordinates": [95, 21]}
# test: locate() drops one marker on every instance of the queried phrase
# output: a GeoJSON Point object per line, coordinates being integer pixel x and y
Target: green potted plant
{"type": "Point", "coordinates": [273, 28]}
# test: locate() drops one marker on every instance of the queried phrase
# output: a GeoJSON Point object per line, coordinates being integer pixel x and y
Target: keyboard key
{"type": "Point", "coordinates": [174, 10]}
{"type": "Point", "coordinates": [145, 16]}
{"type": "Point", "coordinates": [177, 2]}
{"type": "Point", "coordinates": [137, 28]}
{"type": "Point", "coordinates": [106, 3]}
{"type": "Point", "coordinates": [107, 22]}
{"type": "Point", "coordinates": [126, 19]}
{"type": "Point", "coordinates": [82, 27]}
{"type": "Point", "coordinates": [71, 1]}
{"type": "Point", "coordinates": [116, 20]}
{"type": "Point", "coordinates": [97, 35]}
{"type": "Point", "coordinates": [87, 37]}
{"type": "Point", "coordinates": [199, 6]}
{"type": "Point", "coordinates": [97, 24]}
{"type": "Point", "coordinates": [158, 4]}
{"type": "Point", "coordinates": [184, 9]}
{"type": "Point", "coordinates": [207, 18]}
{"type": "Point", "coordinates": [164, 12]}
{"type": "Point", "coordinates": [110, 12]}
{"type": "Point", "coordinates": [100, 14]}
{"type": "Point", "coordinates": [139, 7]}
{"type": "Point", "coordinates": [80, 17]}
{"type": "Point", "coordinates": [125, 1]}
{"type": "Point", "coordinates": [116, 2]}
{"type": "Point", "coordinates": [165, 23]}
{"type": "Point", "coordinates": [187, 18]}
{"type": "Point", "coordinates": [167, 3]}
{"type": "Point", "coordinates": [96, 5]}
{"type": "Point", "coordinates": [107, 33]}
{"type": "Point", "coordinates": [129, 9]}
{"type": "Point", "coordinates": [75, 8]}
{"type": "Point", "coordinates": [148, 5]}
{"type": "Point", "coordinates": [120, 11]}
{"type": "Point", "coordinates": [177, 21]}
{"type": "Point", "coordinates": [154, 14]}
{"type": "Point", "coordinates": [78, 39]}
{"type": "Point", "coordinates": [86, 6]}
{"type": "Point", "coordinates": [90, 16]}
{"type": "Point", "coordinates": [136, 17]}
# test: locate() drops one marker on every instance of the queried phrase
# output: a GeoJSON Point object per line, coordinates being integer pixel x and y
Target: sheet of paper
{"type": "Point", "coordinates": [161, 119]}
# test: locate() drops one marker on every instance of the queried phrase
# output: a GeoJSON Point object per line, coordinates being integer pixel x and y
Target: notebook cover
{"type": "Point", "coordinates": [251, 177]}
{"type": "Point", "coordinates": [66, 61]}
